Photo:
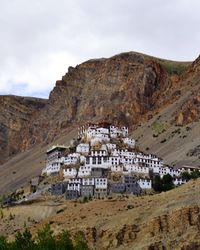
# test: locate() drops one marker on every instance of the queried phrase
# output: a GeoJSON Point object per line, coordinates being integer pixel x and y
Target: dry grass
{"type": "Point", "coordinates": [104, 215]}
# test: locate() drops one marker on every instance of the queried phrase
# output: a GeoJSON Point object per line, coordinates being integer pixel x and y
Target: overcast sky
{"type": "Point", "coordinates": [40, 39]}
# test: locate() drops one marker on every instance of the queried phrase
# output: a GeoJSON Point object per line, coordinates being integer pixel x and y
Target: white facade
{"type": "Point", "coordinates": [114, 160]}
{"type": "Point", "coordinates": [110, 146]}
{"type": "Point", "coordinates": [83, 148]}
{"type": "Point", "coordinates": [72, 159]}
{"type": "Point", "coordinates": [129, 141]}
{"type": "Point", "coordinates": [136, 168]}
{"type": "Point", "coordinates": [54, 159]}
{"type": "Point", "coordinates": [74, 184]}
{"type": "Point", "coordinates": [98, 161]}
{"type": "Point", "coordinates": [88, 181]}
{"type": "Point", "coordinates": [188, 169]}
{"type": "Point", "coordinates": [97, 133]}
{"type": "Point", "coordinates": [117, 168]}
{"type": "Point", "coordinates": [127, 161]}
{"type": "Point", "coordinates": [151, 160]}
{"type": "Point", "coordinates": [178, 181]}
{"type": "Point", "coordinates": [173, 172]}
{"type": "Point", "coordinates": [145, 183]}
{"type": "Point", "coordinates": [52, 168]}
{"type": "Point", "coordinates": [118, 132]}
{"type": "Point", "coordinates": [123, 153]}
{"type": "Point", "coordinates": [166, 170]}
{"type": "Point", "coordinates": [99, 153]}
{"type": "Point", "coordinates": [101, 183]}
{"type": "Point", "coordinates": [84, 171]}
{"type": "Point", "coordinates": [69, 173]}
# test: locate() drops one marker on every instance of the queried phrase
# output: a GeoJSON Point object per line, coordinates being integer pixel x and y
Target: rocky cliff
{"type": "Point", "coordinates": [127, 88]}
{"type": "Point", "coordinates": [15, 114]}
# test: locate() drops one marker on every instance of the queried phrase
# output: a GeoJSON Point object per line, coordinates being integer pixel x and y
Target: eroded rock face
{"type": "Point", "coordinates": [121, 89]}
{"type": "Point", "coordinates": [124, 89]}
{"type": "Point", "coordinates": [15, 113]}
{"type": "Point", "coordinates": [178, 229]}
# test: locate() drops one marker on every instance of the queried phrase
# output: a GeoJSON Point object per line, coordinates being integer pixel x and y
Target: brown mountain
{"type": "Point", "coordinates": [124, 88]}
{"type": "Point", "coordinates": [15, 113]}
{"type": "Point", "coordinates": [158, 99]}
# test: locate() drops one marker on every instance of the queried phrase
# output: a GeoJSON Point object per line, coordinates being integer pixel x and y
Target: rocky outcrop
{"type": "Point", "coordinates": [122, 89]}
{"type": "Point", "coordinates": [190, 111]}
{"type": "Point", "coordinates": [178, 229]}
{"type": "Point", "coordinates": [15, 115]}
{"type": "Point", "coordinates": [126, 88]}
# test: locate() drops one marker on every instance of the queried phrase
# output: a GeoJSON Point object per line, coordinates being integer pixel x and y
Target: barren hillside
{"type": "Point", "coordinates": [170, 220]}
{"type": "Point", "coordinates": [126, 88]}
{"type": "Point", "coordinates": [158, 99]}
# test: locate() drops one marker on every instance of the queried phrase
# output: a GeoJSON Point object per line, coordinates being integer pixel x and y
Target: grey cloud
{"type": "Point", "coordinates": [41, 38]}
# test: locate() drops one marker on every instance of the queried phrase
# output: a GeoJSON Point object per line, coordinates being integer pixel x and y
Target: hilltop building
{"type": "Point", "coordinates": [102, 151]}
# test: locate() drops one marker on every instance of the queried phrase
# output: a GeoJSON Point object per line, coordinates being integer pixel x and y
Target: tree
{"type": "Point", "coordinates": [80, 243]}
{"type": "Point", "coordinates": [64, 241]}
{"type": "Point", "coordinates": [45, 239]}
{"type": "Point", "coordinates": [186, 176]}
{"type": "Point", "coordinates": [167, 182]}
{"type": "Point", "coordinates": [23, 241]}
{"type": "Point", "coordinates": [3, 243]}
{"type": "Point", "coordinates": [157, 183]}
{"type": "Point", "coordinates": [195, 174]}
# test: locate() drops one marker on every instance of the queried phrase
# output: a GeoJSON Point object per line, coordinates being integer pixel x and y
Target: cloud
{"type": "Point", "coordinates": [41, 39]}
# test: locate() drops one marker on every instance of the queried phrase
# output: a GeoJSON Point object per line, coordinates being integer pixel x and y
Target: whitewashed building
{"type": "Point", "coordinates": [137, 168]}
{"type": "Point", "coordinates": [84, 171]}
{"type": "Point", "coordinates": [110, 146]}
{"type": "Point", "coordinates": [101, 183]}
{"type": "Point", "coordinates": [117, 168]}
{"type": "Point", "coordinates": [118, 132]}
{"type": "Point", "coordinates": [83, 148]}
{"type": "Point", "coordinates": [73, 158]}
{"type": "Point", "coordinates": [178, 181]}
{"type": "Point", "coordinates": [74, 184]}
{"type": "Point", "coordinates": [54, 160]}
{"type": "Point", "coordinates": [188, 169]}
{"type": "Point", "coordinates": [129, 141]}
{"type": "Point", "coordinates": [99, 153]}
{"type": "Point", "coordinates": [69, 172]}
{"type": "Point", "coordinates": [97, 161]}
{"type": "Point", "coordinates": [145, 183]}
{"type": "Point", "coordinates": [88, 181]}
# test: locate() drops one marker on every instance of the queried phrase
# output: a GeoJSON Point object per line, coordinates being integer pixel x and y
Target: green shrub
{"type": "Point", "coordinates": [44, 240]}
{"type": "Point", "coordinates": [163, 184]}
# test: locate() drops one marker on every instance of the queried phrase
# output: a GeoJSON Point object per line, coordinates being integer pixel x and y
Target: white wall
{"type": "Point", "coordinates": [145, 183]}
{"type": "Point", "coordinates": [101, 183]}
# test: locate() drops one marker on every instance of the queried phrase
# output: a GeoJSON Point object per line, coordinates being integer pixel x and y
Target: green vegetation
{"type": "Point", "coordinates": [172, 67]}
{"type": "Point", "coordinates": [44, 240]}
{"type": "Point", "coordinates": [72, 149]}
{"type": "Point", "coordinates": [159, 128]}
{"type": "Point", "coordinates": [194, 175]}
{"type": "Point", "coordinates": [163, 184]}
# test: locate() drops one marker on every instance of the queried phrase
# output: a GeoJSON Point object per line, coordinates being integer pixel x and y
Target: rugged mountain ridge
{"type": "Point", "coordinates": [15, 113]}
{"type": "Point", "coordinates": [127, 88]}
